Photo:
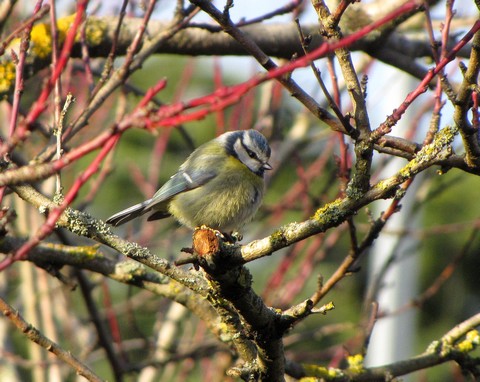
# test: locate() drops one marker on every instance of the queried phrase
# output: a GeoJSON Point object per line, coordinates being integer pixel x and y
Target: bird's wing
{"type": "Point", "coordinates": [180, 182]}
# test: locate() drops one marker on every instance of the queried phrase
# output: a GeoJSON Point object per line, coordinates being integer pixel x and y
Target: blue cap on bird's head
{"type": "Point", "coordinates": [250, 147]}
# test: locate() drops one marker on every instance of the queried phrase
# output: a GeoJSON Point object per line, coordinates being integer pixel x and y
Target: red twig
{"type": "Point", "coordinates": [446, 27]}
{"type": "Point", "coordinates": [151, 184]}
{"type": "Point", "coordinates": [439, 281]}
{"type": "Point", "coordinates": [218, 83]}
{"type": "Point", "coordinates": [38, 13]}
{"type": "Point", "coordinates": [282, 269]}
{"type": "Point", "coordinates": [37, 16]}
{"type": "Point", "coordinates": [136, 118]}
{"type": "Point", "coordinates": [41, 104]}
{"type": "Point", "coordinates": [108, 67]}
{"type": "Point", "coordinates": [24, 44]}
{"type": "Point", "coordinates": [134, 46]}
{"type": "Point", "coordinates": [431, 35]}
{"type": "Point", "coordinates": [293, 287]}
{"type": "Point", "coordinates": [297, 190]}
{"type": "Point", "coordinates": [54, 214]}
{"type": "Point", "coordinates": [185, 80]}
{"type": "Point", "coordinates": [245, 112]}
{"type": "Point", "coordinates": [392, 119]}
{"type": "Point", "coordinates": [170, 115]}
{"type": "Point", "coordinates": [340, 10]}
{"type": "Point", "coordinates": [111, 318]}
{"type": "Point", "coordinates": [86, 57]}
{"type": "Point", "coordinates": [221, 98]}
{"type": "Point", "coordinates": [151, 92]}
{"type": "Point", "coordinates": [58, 84]}
{"type": "Point", "coordinates": [148, 187]}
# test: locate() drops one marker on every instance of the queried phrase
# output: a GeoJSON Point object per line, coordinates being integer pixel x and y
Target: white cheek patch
{"type": "Point", "coordinates": [247, 140]}
{"type": "Point", "coordinates": [243, 156]}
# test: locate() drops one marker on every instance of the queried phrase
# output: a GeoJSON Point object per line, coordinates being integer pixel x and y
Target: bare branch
{"type": "Point", "coordinates": [34, 335]}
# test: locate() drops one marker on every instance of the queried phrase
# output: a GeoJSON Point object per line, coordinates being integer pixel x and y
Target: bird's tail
{"type": "Point", "coordinates": [129, 213]}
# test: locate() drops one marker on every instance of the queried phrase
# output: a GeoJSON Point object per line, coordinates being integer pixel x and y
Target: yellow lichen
{"type": "Point", "coordinates": [7, 76]}
{"type": "Point", "coordinates": [41, 36]}
{"type": "Point", "coordinates": [471, 341]}
{"type": "Point", "coordinates": [473, 336]}
{"type": "Point", "coordinates": [63, 25]}
{"type": "Point", "coordinates": [355, 363]}
{"type": "Point", "coordinates": [41, 40]}
{"type": "Point", "coordinates": [427, 156]}
{"type": "Point", "coordinates": [95, 31]}
{"type": "Point", "coordinates": [383, 185]}
{"type": "Point", "coordinates": [319, 372]}
{"type": "Point", "coordinates": [330, 212]}
{"type": "Point", "coordinates": [277, 237]}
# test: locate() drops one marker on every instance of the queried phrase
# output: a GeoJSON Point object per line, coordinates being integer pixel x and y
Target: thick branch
{"type": "Point", "coordinates": [275, 40]}
{"type": "Point", "coordinates": [84, 225]}
{"type": "Point", "coordinates": [468, 132]}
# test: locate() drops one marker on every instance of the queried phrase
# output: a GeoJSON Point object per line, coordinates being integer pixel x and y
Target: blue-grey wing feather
{"type": "Point", "coordinates": [180, 182]}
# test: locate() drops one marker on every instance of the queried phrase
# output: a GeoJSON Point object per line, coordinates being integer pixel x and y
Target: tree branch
{"type": "Point", "coordinates": [34, 335]}
{"type": "Point", "coordinates": [275, 39]}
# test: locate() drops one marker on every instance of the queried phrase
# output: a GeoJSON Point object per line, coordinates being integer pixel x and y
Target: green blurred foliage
{"type": "Point", "coordinates": [456, 207]}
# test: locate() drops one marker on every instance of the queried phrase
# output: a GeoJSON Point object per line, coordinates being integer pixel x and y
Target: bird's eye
{"type": "Point", "coordinates": [251, 154]}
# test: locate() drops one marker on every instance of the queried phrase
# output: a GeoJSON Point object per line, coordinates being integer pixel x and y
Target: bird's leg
{"type": "Point", "coordinates": [234, 237]}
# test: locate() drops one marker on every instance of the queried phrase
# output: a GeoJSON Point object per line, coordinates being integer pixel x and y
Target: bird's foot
{"type": "Point", "coordinates": [236, 236]}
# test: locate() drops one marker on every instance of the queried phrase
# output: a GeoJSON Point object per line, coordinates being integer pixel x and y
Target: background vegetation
{"type": "Point", "coordinates": [371, 212]}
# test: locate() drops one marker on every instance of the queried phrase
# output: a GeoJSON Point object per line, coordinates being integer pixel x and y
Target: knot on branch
{"type": "Point", "coordinates": [212, 250]}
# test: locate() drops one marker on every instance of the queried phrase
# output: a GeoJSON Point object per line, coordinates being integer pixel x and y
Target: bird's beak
{"type": "Point", "coordinates": [266, 166]}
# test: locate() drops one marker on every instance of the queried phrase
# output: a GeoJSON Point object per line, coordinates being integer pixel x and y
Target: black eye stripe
{"type": "Point", "coordinates": [251, 154]}
{"type": "Point", "coordinates": [249, 151]}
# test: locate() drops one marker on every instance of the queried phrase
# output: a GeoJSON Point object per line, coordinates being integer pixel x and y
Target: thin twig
{"type": "Point", "coordinates": [36, 336]}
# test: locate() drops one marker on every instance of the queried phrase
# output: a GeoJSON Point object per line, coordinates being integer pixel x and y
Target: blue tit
{"type": "Point", "coordinates": [220, 185]}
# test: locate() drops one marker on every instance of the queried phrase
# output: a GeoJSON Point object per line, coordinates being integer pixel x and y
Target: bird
{"type": "Point", "coordinates": [220, 185]}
